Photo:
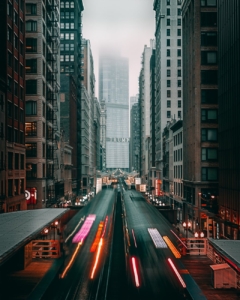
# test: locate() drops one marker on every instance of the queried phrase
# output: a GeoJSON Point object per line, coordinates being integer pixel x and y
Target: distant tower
{"type": "Point", "coordinates": [113, 89]}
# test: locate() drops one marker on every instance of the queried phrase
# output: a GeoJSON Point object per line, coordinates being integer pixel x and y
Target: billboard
{"type": "Point", "coordinates": [158, 191]}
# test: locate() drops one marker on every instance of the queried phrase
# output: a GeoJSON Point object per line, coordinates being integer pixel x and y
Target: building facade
{"type": "Point", "coordinates": [12, 106]}
{"type": "Point", "coordinates": [71, 62]}
{"type": "Point", "coordinates": [134, 161]}
{"type": "Point", "coordinates": [114, 90]}
{"type": "Point", "coordinates": [168, 37]}
{"type": "Point", "coordinates": [228, 99]}
{"type": "Point", "coordinates": [200, 113]}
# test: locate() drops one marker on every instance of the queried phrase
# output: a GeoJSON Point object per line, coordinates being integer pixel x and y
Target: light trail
{"type": "Point", "coordinates": [97, 237]}
{"type": "Point", "coordinates": [71, 260]}
{"type": "Point", "coordinates": [105, 226]}
{"type": "Point", "coordinates": [179, 239]}
{"type": "Point", "coordinates": [97, 258]}
{"type": "Point", "coordinates": [157, 238]}
{"type": "Point", "coordinates": [174, 250]}
{"type": "Point", "coordinates": [72, 233]}
{"type": "Point", "coordinates": [135, 243]}
{"type": "Point", "coordinates": [83, 232]}
{"type": "Point", "coordinates": [135, 272]}
{"type": "Point", "coordinates": [177, 273]}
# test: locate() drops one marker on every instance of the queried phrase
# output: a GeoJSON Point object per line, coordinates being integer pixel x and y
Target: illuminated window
{"type": "Point", "coordinates": [31, 128]}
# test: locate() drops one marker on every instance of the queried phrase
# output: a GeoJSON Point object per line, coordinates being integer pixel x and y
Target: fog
{"type": "Point", "coordinates": [125, 25]}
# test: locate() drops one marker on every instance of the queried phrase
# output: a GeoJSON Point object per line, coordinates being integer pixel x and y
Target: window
{"type": "Point", "coordinates": [9, 84]}
{"type": "Point", "coordinates": [21, 115]}
{"type": "Point", "coordinates": [168, 103]}
{"type": "Point", "coordinates": [168, 93]}
{"type": "Point", "coordinates": [66, 36]}
{"type": "Point", "coordinates": [31, 107]}
{"type": "Point", "coordinates": [209, 154]}
{"type": "Point", "coordinates": [168, 52]}
{"type": "Point", "coordinates": [16, 64]}
{"type": "Point", "coordinates": [179, 114]}
{"type": "Point", "coordinates": [208, 57]}
{"type": "Point", "coordinates": [179, 63]}
{"type": "Point", "coordinates": [10, 109]}
{"type": "Point", "coordinates": [31, 170]}
{"type": "Point", "coordinates": [179, 22]}
{"type": "Point", "coordinates": [168, 42]}
{"type": "Point", "coordinates": [179, 42]}
{"type": "Point", "coordinates": [10, 160]}
{"type": "Point", "coordinates": [66, 57]}
{"type": "Point", "coordinates": [179, 103]}
{"type": "Point", "coordinates": [71, 57]}
{"type": "Point", "coordinates": [31, 87]}
{"type": "Point", "coordinates": [179, 32]}
{"type": "Point", "coordinates": [209, 135]}
{"type": "Point", "coordinates": [208, 2]}
{"type": "Point", "coordinates": [67, 15]}
{"type": "Point", "coordinates": [179, 83]}
{"type": "Point", "coordinates": [72, 25]}
{"type": "Point", "coordinates": [209, 76]}
{"type": "Point", "coordinates": [61, 57]}
{"type": "Point", "coordinates": [179, 52]}
{"type": "Point", "coordinates": [31, 9]}
{"type": "Point", "coordinates": [67, 4]}
{"type": "Point", "coordinates": [168, 12]}
{"type": "Point", "coordinates": [67, 25]}
{"type": "Point", "coordinates": [62, 25]}
{"type": "Point", "coordinates": [168, 22]}
{"type": "Point", "coordinates": [22, 161]}
{"type": "Point", "coordinates": [168, 73]}
{"type": "Point", "coordinates": [179, 73]}
{"type": "Point", "coordinates": [62, 15]}
{"type": "Point", "coordinates": [15, 17]}
{"type": "Point", "coordinates": [10, 59]}
{"type": "Point", "coordinates": [168, 83]}
{"type": "Point", "coordinates": [10, 187]}
{"type": "Point", "coordinates": [15, 41]}
{"type": "Point", "coordinates": [31, 149]}
{"type": "Point", "coordinates": [16, 161]}
{"type": "Point", "coordinates": [31, 65]}
{"type": "Point", "coordinates": [9, 34]}
{"type": "Point", "coordinates": [179, 11]}
{"type": "Point", "coordinates": [209, 174]}
{"type": "Point", "coordinates": [31, 128]}
{"type": "Point", "coordinates": [71, 15]}
{"type": "Point", "coordinates": [208, 38]}
{"type": "Point", "coordinates": [179, 2]}
{"type": "Point", "coordinates": [168, 63]}
{"type": "Point", "coordinates": [71, 47]}
{"type": "Point", "coordinates": [72, 4]}
{"type": "Point", "coordinates": [15, 112]}
{"type": "Point", "coordinates": [208, 19]}
{"type": "Point", "coordinates": [209, 96]}
{"type": "Point", "coordinates": [31, 26]}
{"type": "Point", "coordinates": [62, 4]}
{"type": "Point", "coordinates": [168, 32]}
{"type": "Point", "coordinates": [168, 2]}
{"type": "Point", "coordinates": [209, 115]}
{"type": "Point", "coordinates": [71, 36]}
{"type": "Point", "coordinates": [15, 88]}
{"type": "Point", "coordinates": [168, 114]}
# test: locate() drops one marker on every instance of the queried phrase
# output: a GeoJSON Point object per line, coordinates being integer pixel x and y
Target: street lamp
{"type": "Point", "coordinates": [199, 234]}
{"type": "Point", "coordinates": [54, 225]}
{"type": "Point", "coordinates": [186, 226]}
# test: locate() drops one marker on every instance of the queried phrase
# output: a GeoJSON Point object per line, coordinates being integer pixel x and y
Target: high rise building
{"type": "Point", "coordinates": [168, 36]}
{"type": "Point", "coordinates": [42, 126]}
{"type": "Point", "coordinates": [134, 161]}
{"type": "Point", "coordinates": [114, 90]}
{"type": "Point", "coordinates": [71, 62]}
{"type": "Point", "coordinates": [228, 115]}
{"type": "Point", "coordinates": [12, 106]}
{"type": "Point", "coordinates": [200, 113]}
{"type": "Point", "coordinates": [103, 121]}
{"type": "Point", "coordinates": [144, 102]}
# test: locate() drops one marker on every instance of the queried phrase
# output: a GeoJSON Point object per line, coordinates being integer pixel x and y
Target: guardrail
{"type": "Point", "coordinates": [45, 249]}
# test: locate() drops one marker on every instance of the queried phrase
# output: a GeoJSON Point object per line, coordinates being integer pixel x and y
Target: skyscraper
{"type": "Point", "coordinates": [113, 89]}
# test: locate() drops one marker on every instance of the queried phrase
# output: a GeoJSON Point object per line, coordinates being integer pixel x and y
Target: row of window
{"type": "Point", "coordinates": [179, 12]}
{"type": "Point", "coordinates": [67, 47]}
{"type": "Point", "coordinates": [15, 187]}
{"type": "Point", "coordinates": [179, 32]}
{"type": "Point", "coordinates": [15, 135]}
{"type": "Point", "coordinates": [179, 114]}
{"type": "Point", "coordinates": [67, 57]}
{"type": "Point", "coordinates": [179, 83]}
{"type": "Point", "coordinates": [67, 15]}
{"type": "Point", "coordinates": [179, 73]}
{"type": "Point", "coordinates": [179, 42]}
{"type": "Point", "coordinates": [14, 63]}
{"type": "Point", "coordinates": [67, 26]}
{"type": "Point", "coordinates": [169, 103]}
{"type": "Point", "coordinates": [177, 155]}
{"type": "Point", "coordinates": [15, 88]}
{"type": "Point", "coordinates": [67, 4]}
{"type": "Point", "coordinates": [179, 52]}
{"type": "Point", "coordinates": [178, 189]}
{"type": "Point", "coordinates": [177, 171]}
{"type": "Point", "coordinates": [67, 69]}
{"type": "Point", "coordinates": [179, 93]}
{"type": "Point", "coordinates": [15, 111]}
{"type": "Point", "coordinates": [13, 38]}
{"type": "Point", "coordinates": [18, 162]}
{"type": "Point", "coordinates": [179, 63]}
{"type": "Point", "coordinates": [177, 140]}
{"type": "Point", "coordinates": [179, 22]}
{"type": "Point", "coordinates": [67, 36]}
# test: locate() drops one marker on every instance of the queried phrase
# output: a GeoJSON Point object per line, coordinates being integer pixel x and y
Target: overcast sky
{"type": "Point", "coordinates": [126, 24]}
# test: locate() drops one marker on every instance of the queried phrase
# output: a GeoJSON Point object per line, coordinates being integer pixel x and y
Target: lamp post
{"type": "Point", "coordinates": [55, 224]}
{"type": "Point", "coordinates": [186, 226]}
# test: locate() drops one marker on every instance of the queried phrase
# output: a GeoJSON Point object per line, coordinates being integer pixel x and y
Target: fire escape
{"type": "Point", "coordinates": [52, 90]}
